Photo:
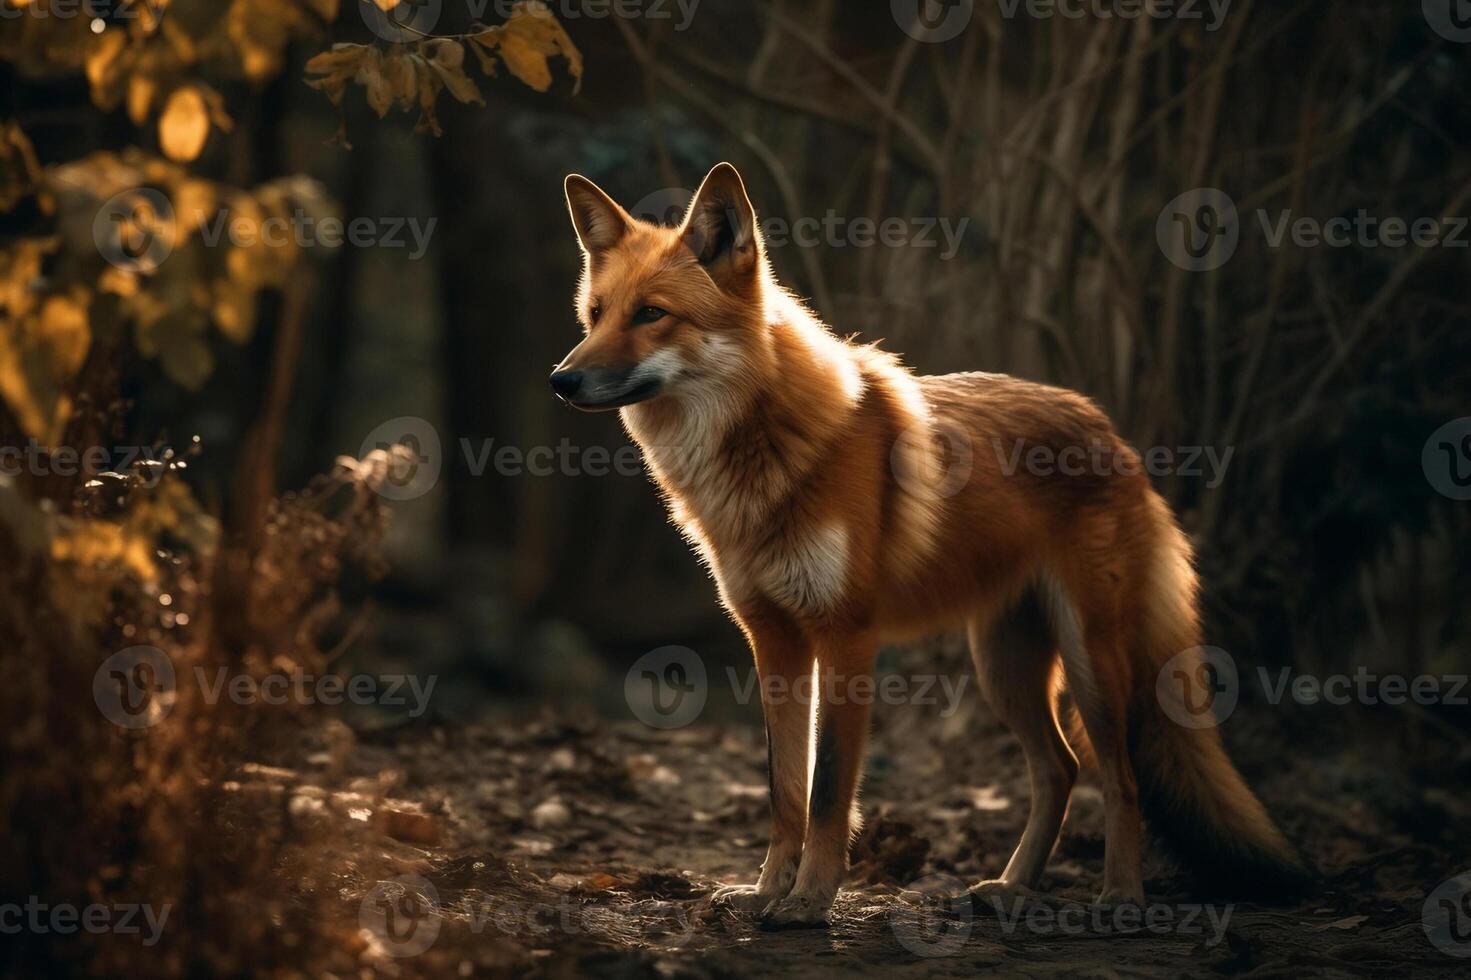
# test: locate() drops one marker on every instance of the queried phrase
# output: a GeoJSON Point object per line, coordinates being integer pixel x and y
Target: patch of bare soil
{"type": "Point", "coordinates": [561, 847]}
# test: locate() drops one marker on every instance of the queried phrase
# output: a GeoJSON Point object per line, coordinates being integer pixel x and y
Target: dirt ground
{"type": "Point", "coordinates": [563, 847]}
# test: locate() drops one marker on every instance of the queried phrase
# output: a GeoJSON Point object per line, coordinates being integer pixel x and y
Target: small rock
{"type": "Point", "coordinates": [552, 813]}
{"type": "Point", "coordinates": [404, 821]}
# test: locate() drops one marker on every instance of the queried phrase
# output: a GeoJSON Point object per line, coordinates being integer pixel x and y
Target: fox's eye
{"type": "Point", "coordinates": [649, 314]}
{"type": "Point", "coordinates": [595, 312]}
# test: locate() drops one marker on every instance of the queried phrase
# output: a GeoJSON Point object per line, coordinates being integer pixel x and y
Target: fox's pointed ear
{"type": "Point", "coordinates": [720, 226]}
{"type": "Point", "coordinates": [598, 219]}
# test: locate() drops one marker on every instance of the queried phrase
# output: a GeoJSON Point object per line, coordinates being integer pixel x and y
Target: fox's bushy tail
{"type": "Point", "coordinates": [1193, 798]}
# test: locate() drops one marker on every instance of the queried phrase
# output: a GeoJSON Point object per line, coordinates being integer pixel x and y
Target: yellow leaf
{"type": "Point", "coordinates": [39, 355]}
{"type": "Point", "coordinates": [325, 9]}
{"type": "Point", "coordinates": [20, 171]}
{"type": "Point", "coordinates": [178, 340]}
{"type": "Point", "coordinates": [141, 89]}
{"type": "Point", "coordinates": [370, 75]}
{"type": "Point", "coordinates": [527, 40]}
{"type": "Point", "coordinates": [20, 269]}
{"type": "Point", "coordinates": [402, 79]}
{"type": "Point", "coordinates": [105, 67]}
{"type": "Point", "coordinates": [92, 543]}
{"type": "Point", "coordinates": [189, 362]}
{"type": "Point", "coordinates": [234, 310]}
{"type": "Point", "coordinates": [447, 60]}
{"type": "Point", "coordinates": [184, 126]}
{"type": "Point", "coordinates": [33, 396]}
{"type": "Point", "coordinates": [65, 334]}
{"type": "Point", "coordinates": [195, 203]}
{"type": "Point", "coordinates": [336, 67]}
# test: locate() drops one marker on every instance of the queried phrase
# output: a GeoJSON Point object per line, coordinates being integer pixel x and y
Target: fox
{"type": "Point", "coordinates": [815, 477]}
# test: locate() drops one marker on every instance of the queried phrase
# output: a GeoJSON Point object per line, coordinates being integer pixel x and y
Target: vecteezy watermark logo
{"type": "Point", "coordinates": [1451, 19]}
{"type": "Point", "coordinates": [1100, 459]}
{"type": "Point", "coordinates": [1120, 10]}
{"type": "Point", "coordinates": [100, 12]}
{"type": "Point", "coordinates": [932, 21]}
{"type": "Point", "coordinates": [1199, 687]}
{"type": "Point", "coordinates": [307, 231]}
{"type": "Point", "coordinates": [571, 915]}
{"type": "Point", "coordinates": [1446, 459]}
{"type": "Point", "coordinates": [933, 917]}
{"type": "Point", "coordinates": [1363, 230]}
{"type": "Point", "coordinates": [1199, 230]}
{"type": "Point", "coordinates": [63, 918]}
{"type": "Point", "coordinates": [137, 688]}
{"type": "Point", "coordinates": [930, 460]}
{"type": "Point", "coordinates": [666, 206]}
{"type": "Point", "coordinates": [1364, 687]}
{"type": "Point", "coordinates": [666, 688]}
{"type": "Point", "coordinates": [1446, 916]}
{"type": "Point", "coordinates": [413, 456]}
{"type": "Point", "coordinates": [134, 688]}
{"type": "Point", "coordinates": [1157, 919]}
{"type": "Point", "coordinates": [400, 21]}
{"type": "Point", "coordinates": [563, 459]}
{"type": "Point", "coordinates": [401, 915]}
{"type": "Point", "coordinates": [146, 464]}
{"type": "Point", "coordinates": [135, 229]}
{"type": "Point", "coordinates": [927, 690]}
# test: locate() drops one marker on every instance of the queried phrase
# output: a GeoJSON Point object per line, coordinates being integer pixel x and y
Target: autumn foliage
{"type": "Point", "coordinates": [127, 269]}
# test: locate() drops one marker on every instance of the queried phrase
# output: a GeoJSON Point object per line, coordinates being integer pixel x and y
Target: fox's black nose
{"type": "Point", "coordinates": [566, 383]}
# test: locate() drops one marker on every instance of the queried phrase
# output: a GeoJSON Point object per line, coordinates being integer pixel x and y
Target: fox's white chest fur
{"type": "Point", "coordinates": [754, 516]}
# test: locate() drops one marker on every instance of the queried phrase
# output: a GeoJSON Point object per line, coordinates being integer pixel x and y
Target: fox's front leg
{"type": "Point", "coordinates": [783, 665]}
{"type": "Point", "coordinates": [842, 733]}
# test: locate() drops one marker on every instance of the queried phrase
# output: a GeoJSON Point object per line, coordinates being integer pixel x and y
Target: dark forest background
{"type": "Point", "coordinates": [1324, 370]}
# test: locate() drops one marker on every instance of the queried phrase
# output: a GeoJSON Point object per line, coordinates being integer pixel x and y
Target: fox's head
{"type": "Point", "coordinates": [665, 311]}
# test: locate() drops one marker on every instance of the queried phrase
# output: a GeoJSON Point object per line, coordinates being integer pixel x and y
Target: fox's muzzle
{"type": "Point", "coordinates": [596, 389]}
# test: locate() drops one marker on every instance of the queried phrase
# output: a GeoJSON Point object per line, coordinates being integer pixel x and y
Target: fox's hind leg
{"type": "Point", "coordinates": [1092, 640]}
{"type": "Point", "coordinates": [1016, 662]}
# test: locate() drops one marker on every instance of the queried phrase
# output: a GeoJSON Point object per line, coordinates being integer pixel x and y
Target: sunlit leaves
{"type": "Point", "coordinates": [407, 76]}
{"type": "Point", "coordinates": [89, 557]}
{"type": "Point", "coordinates": [525, 42]}
{"type": "Point", "coordinates": [102, 543]}
{"type": "Point", "coordinates": [415, 74]}
{"type": "Point", "coordinates": [150, 46]}
{"type": "Point", "coordinates": [40, 351]}
{"type": "Point", "coordinates": [184, 125]}
{"type": "Point", "coordinates": [218, 253]}
{"type": "Point", "coordinates": [43, 341]}
{"type": "Point", "coordinates": [20, 171]}
{"type": "Point", "coordinates": [128, 248]}
{"type": "Point", "coordinates": [257, 32]}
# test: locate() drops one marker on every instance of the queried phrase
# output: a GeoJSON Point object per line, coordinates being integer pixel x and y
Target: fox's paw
{"type": "Point", "coordinates": [996, 896]}
{"type": "Point", "coordinates": [1115, 897]}
{"type": "Point", "coordinates": [741, 898]}
{"type": "Point", "coordinates": [798, 910]}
